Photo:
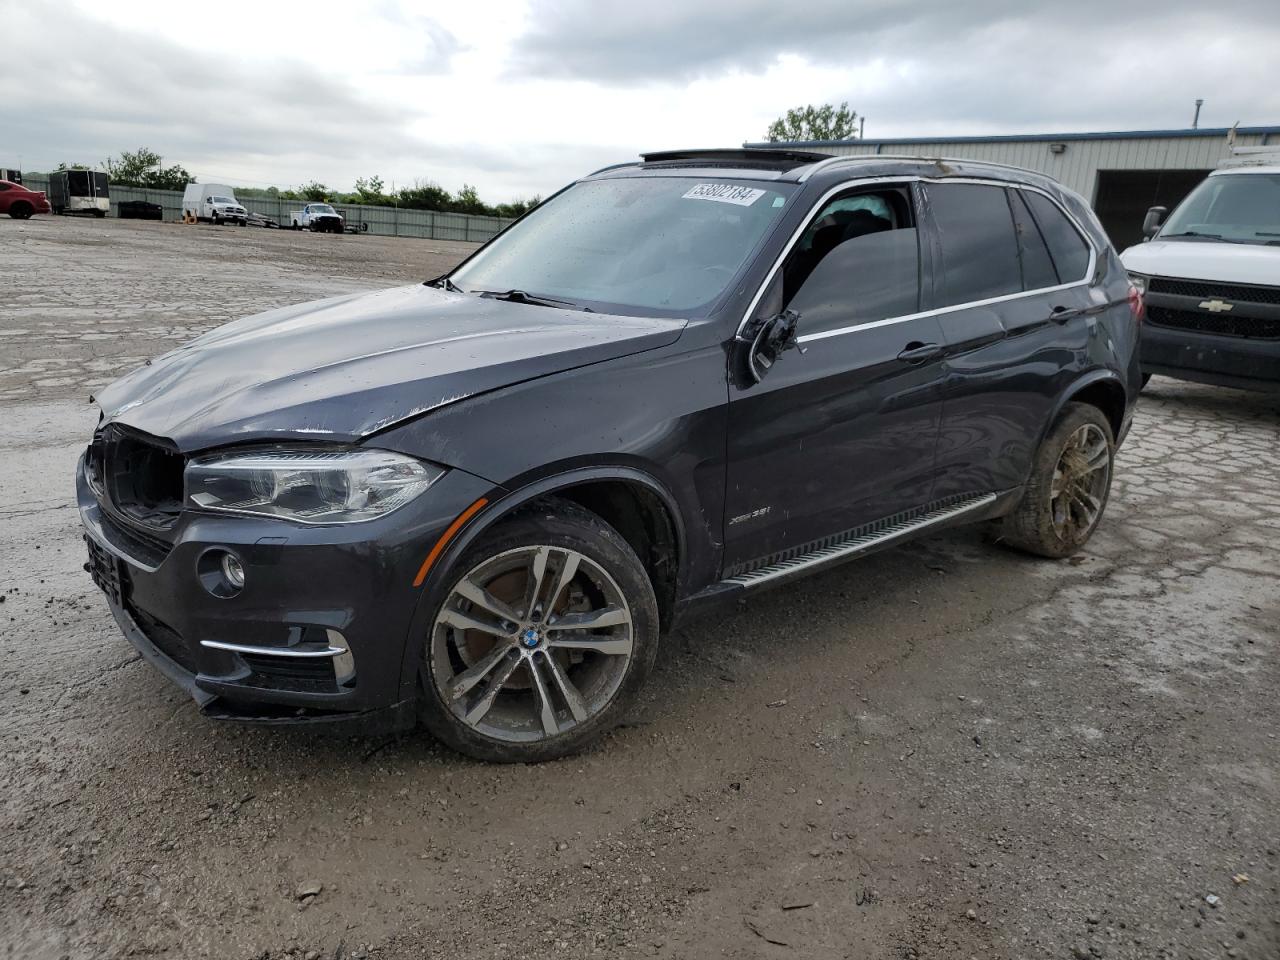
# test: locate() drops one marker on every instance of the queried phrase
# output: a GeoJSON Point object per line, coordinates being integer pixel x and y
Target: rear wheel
{"type": "Point", "coordinates": [547, 631]}
{"type": "Point", "coordinates": [1068, 488]}
{"type": "Point", "coordinates": [21, 210]}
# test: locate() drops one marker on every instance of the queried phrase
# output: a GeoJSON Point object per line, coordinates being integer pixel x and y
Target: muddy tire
{"type": "Point", "coordinates": [1067, 491]}
{"type": "Point", "coordinates": [545, 633]}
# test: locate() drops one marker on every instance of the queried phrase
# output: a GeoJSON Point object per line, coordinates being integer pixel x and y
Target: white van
{"type": "Point", "coordinates": [1211, 277]}
{"type": "Point", "coordinates": [213, 202]}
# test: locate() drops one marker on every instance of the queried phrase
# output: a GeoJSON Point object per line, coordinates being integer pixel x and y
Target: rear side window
{"type": "Point", "coordinates": [978, 245]}
{"type": "Point", "coordinates": [1069, 250]}
{"type": "Point", "coordinates": [1037, 267]}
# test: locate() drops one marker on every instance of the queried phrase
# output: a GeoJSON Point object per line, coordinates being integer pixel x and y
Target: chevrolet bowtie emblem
{"type": "Point", "coordinates": [1215, 306]}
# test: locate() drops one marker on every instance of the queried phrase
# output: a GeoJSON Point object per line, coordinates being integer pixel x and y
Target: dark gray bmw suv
{"type": "Point", "coordinates": [478, 501]}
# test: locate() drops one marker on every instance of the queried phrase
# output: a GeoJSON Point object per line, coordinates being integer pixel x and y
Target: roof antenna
{"type": "Point", "coordinates": [1195, 121]}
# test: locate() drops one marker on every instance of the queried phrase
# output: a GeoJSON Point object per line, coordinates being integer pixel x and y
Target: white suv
{"type": "Point", "coordinates": [1211, 274]}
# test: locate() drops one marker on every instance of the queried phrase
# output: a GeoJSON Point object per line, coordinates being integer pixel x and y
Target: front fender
{"type": "Point", "coordinates": [503, 502]}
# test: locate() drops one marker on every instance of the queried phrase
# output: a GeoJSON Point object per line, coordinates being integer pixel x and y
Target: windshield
{"type": "Point", "coordinates": [321, 208]}
{"type": "Point", "coordinates": [223, 200]}
{"type": "Point", "coordinates": [1243, 207]}
{"type": "Point", "coordinates": [642, 243]}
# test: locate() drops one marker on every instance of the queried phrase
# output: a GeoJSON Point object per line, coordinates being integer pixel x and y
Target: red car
{"type": "Point", "coordinates": [19, 202]}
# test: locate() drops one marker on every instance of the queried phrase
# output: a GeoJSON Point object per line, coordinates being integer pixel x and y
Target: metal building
{"type": "Point", "coordinates": [1120, 173]}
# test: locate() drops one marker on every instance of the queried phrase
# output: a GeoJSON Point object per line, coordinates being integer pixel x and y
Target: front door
{"type": "Point", "coordinates": [841, 430]}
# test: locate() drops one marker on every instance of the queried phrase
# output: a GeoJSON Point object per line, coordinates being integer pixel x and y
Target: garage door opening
{"type": "Point", "coordinates": [1124, 196]}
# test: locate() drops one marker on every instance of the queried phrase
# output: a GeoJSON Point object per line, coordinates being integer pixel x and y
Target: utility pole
{"type": "Point", "coordinates": [862, 127]}
{"type": "Point", "coordinates": [1195, 121]}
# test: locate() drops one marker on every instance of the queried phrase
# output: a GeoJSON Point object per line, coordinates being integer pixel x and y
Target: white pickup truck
{"type": "Point", "coordinates": [1210, 275]}
{"type": "Point", "coordinates": [318, 217]}
{"type": "Point", "coordinates": [214, 202]}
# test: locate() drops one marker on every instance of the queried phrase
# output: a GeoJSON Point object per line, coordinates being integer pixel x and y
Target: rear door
{"type": "Point", "coordinates": [841, 431]}
{"type": "Point", "coordinates": [1011, 291]}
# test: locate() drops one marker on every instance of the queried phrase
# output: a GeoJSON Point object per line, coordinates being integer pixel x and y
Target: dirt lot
{"type": "Point", "coordinates": [948, 751]}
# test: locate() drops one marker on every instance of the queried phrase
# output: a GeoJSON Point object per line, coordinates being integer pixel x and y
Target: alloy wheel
{"type": "Point", "coordinates": [531, 643]}
{"type": "Point", "coordinates": [1080, 480]}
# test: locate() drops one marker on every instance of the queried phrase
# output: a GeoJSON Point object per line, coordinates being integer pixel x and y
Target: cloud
{"type": "Point", "coordinates": [520, 96]}
{"type": "Point", "coordinates": [936, 66]}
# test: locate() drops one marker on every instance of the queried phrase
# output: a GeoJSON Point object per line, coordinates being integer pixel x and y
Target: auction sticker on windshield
{"type": "Point", "coordinates": [724, 193]}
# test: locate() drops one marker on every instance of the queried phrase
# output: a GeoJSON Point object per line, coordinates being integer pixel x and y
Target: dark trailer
{"type": "Point", "coordinates": [79, 191]}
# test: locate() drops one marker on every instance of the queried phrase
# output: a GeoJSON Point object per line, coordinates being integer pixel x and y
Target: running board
{"type": "Point", "coordinates": [862, 544]}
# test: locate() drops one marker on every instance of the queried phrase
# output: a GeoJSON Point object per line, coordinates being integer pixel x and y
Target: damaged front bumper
{"type": "Point", "coordinates": [317, 634]}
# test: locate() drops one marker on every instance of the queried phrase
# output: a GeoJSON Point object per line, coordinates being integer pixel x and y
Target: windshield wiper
{"type": "Point", "coordinates": [1204, 236]}
{"type": "Point", "coordinates": [519, 296]}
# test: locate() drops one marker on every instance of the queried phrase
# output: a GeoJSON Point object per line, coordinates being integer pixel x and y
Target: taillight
{"type": "Point", "coordinates": [1137, 305]}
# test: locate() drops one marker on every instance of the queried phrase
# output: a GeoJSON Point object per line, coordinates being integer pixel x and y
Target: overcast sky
{"type": "Point", "coordinates": [520, 96]}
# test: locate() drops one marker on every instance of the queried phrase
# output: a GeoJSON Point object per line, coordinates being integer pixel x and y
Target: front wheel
{"type": "Point", "coordinates": [548, 629]}
{"type": "Point", "coordinates": [1068, 488]}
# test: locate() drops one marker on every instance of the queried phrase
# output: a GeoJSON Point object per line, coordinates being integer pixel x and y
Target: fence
{"type": "Point", "coordinates": [383, 221]}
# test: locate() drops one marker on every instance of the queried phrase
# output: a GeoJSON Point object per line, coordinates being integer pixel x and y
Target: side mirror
{"type": "Point", "coordinates": [767, 339]}
{"type": "Point", "coordinates": [1151, 223]}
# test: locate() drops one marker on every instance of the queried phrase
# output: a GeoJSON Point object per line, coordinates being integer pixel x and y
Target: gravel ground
{"type": "Point", "coordinates": [950, 750]}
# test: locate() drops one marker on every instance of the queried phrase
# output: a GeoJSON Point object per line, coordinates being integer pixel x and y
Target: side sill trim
{"type": "Point", "coordinates": [856, 545]}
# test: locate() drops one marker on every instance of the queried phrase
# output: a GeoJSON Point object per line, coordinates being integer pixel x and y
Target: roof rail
{"type": "Point", "coordinates": [613, 166]}
{"type": "Point", "coordinates": [916, 156]}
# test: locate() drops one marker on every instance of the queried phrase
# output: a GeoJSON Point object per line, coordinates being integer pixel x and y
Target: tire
{"type": "Point", "coordinates": [1058, 526]}
{"type": "Point", "coordinates": [99, 214]}
{"type": "Point", "coordinates": [217, 220]}
{"type": "Point", "coordinates": [1146, 378]}
{"type": "Point", "coordinates": [21, 210]}
{"type": "Point", "coordinates": [529, 716]}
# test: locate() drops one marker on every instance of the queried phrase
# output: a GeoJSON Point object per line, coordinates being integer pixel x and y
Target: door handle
{"type": "Point", "coordinates": [917, 352]}
{"type": "Point", "coordinates": [1063, 314]}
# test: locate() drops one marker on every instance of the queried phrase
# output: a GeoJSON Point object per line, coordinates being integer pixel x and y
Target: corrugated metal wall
{"type": "Point", "coordinates": [1078, 165]}
{"type": "Point", "coordinates": [384, 221]}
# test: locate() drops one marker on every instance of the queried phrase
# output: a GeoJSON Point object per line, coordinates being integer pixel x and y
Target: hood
{"type": "Point", "coordinates": [345, 368]}
{"type": "Point", "coordinates": [1205, 260]}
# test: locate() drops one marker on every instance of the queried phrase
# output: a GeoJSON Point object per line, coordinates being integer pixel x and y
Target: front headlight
{"type": "Point", "coordinates": [310, 486]}
{"type": "Point", "coordinates": [1139, 280]}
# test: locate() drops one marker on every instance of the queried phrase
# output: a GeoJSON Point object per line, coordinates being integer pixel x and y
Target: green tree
{"type": "Point", "coordinates": [424, 195]}
{"type": "Point", "coordinates": [369, 191]}
{"type": "Point", "coordinates": [468, 201]}
{"type": "Point", "coordinates": [826, 122]}
{"type": "Point", "coordinates": [516, 208]}
{"type": "Point", "coordinates": [312, 191]}
{"type": "Point", "coordinates": [142, 168]}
